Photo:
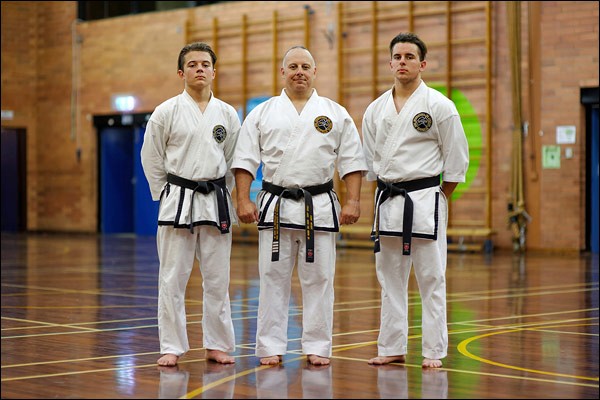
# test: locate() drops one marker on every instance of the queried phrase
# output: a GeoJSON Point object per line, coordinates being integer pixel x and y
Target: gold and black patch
{"type": "Point", "coordinates": [323, 124]}
{"type": "Point", "coordinates": [422, 122]}
{"type": "Point", "coordinates": [219, 133]}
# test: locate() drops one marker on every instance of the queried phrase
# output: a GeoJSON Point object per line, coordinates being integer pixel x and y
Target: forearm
{"type": "Point", "coordinates": [243, 182]}
{"type": "Point", "coordinates": [246, 209]}
{"type": "Point", "coordinates": [351, 208]}
{"type": "Point", "coordinates": [448, 188]}
{"type": "Point", "coordinates": [353, 182]}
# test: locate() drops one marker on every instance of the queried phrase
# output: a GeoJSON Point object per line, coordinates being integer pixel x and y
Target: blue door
{"type": "Point", "coordinates": [116, 180]}
{"type": "Point", "coordinates": [126, 205]}
{"type": "Point", "coordinates": [146, 210]}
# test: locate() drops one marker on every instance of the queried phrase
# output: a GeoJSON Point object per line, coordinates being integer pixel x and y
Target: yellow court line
{"type": "Point", "coordinates": [462, 371]}
{"type": "Point", "coordinates": [112, 321]}
{"type": "Point", "coordinates": [462, 348]}
{"type": "Point", "coordinates": [77, 372]}
{"type": "Point", "coordinates": [352, 346]}
{"type": "Point", "coordinates": [216, 383]}
{"type": "Point", "coordinates": [100, 369]}
{"type": "Point", "coordinates": [45, 325]}
{"type": "Point", "coordinates": [202, 389]}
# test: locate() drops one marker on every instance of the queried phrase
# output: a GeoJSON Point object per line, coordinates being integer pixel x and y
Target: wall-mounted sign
{"type": "Point", "coordinates": [566, 134]}
{"type": "Point", "coordinates": [550, 157]}
{"type": "Point", "coordinates": [8, 114]}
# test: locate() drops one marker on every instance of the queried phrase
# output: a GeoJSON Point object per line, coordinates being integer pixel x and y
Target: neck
{"type": "Point", "coordinates": [299, 96]}
{"type": "Point", "coordinates": [299, 99]}
{"type": "Point", "coordinates": [200, 95]}
{"type": "Point", "coordinates": [402, 89]}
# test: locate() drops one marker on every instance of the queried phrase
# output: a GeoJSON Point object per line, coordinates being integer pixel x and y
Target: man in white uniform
{"type": "Point", "coordinates": [186, 156]}
{"type": "Point", "coordinates": [412, 136]}
{"type": "Point", "coordinates": [300, 138]}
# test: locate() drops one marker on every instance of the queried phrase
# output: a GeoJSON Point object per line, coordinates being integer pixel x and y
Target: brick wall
{"type": "Point", "coordinates": [137, 54]}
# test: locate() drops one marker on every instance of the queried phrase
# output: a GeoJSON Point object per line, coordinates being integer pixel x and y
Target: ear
{"type": "Point", "coordinates": [423, 65]}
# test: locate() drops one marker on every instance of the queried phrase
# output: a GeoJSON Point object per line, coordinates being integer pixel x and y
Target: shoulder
{"type": "Point", "coordinates": [164, 109]}
{"type": "Point", "coordinates": [440, 102]}
{"type": "Point", "coordinates": [226, 107]}
{"type": "Point", "coordinates": [260, 108]}
{"type": "Point", "coordinates": [169, 103]}
{"type": "Point", "coordinates": [379, 100]}
{"type": "Point", "coordinates": [436, 95]}
{"type": "Point", "coordinates": [331, 104]}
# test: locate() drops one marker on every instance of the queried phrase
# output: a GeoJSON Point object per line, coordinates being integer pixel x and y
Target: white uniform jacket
{"type": "Point", "coordinates": [296, 151]}
{"type": "Point", "coordinates": [182, 140]}
{"type": "Point", "coordinates": [425, 139]}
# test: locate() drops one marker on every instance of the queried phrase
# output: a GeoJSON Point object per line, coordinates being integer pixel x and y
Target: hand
{"type": "Point", "coordinates": [350, 212]}
{"type": "Point", "coordinates": [247, 212]}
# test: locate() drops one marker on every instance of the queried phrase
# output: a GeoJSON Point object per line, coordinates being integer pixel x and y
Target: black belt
{"type": "Point", "coordinates": [387, 190]}
{"type": "Point", "coordinates": [296, 194]}
{"type": "Point", "coordinates": [205, 187]}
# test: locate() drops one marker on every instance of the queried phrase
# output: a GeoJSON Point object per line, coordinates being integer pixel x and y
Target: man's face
{"type": "Point", "coordinates": [405, 63]}
{"type": "Point", "coordinates": [198, 70]}
{"type": "Point", "coordinates": [299, 71]}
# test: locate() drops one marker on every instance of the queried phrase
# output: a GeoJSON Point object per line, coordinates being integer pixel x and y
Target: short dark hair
{"type": "Point", "coordinates": [196, 46]}
{"type": "Point", "coordinates": [409, 37]}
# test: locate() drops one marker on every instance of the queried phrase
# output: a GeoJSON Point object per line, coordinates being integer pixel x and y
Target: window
{"type": "Point", "coordinates": [93, 10]}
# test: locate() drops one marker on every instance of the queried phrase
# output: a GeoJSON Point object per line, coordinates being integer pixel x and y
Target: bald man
{"type": "Point", "coordinates": [300, 138]}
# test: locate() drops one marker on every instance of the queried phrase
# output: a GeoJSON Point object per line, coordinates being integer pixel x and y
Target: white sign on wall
{"type": "Point", "coordinates": [8, 114]}
{"type": "Point", "coordinates": [566, 134]}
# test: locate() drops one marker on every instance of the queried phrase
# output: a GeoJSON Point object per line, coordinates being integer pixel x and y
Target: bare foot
{"type": "Point", "coordinates": [317, 360]}
{"type": "Point", "coordinates": [215, 368]}
{"type": "Point", "coordinates": [170, 369]}
{"type": "Point", "coordinates": [430, 363]}
{"type": "Point", "coordinates": [271, 360]}
{"type": "Point", "coordinates": [219, 356]}
{"type": "Point", "coordinates": [314, 367]}
{"type": "Point", "coordinates": [396, 367]}
{"type": "Point", "coordinates": [382, 360]}
{"type": "Point", "coordinates": [168, 360]}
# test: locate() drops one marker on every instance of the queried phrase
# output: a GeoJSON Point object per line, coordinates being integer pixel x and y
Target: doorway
{"type": "Point", "coordinates": [589, 98]}
{"type": "Point", "coordinates": [125, 202]}
{"type": "Point", "coordinates": [14, 176]}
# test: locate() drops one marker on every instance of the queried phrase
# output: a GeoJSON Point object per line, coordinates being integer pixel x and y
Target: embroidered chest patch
{"type": "Point", "coordinates": [323, 124]}
{"type": "Point", "coordinates": [219, 133]}
{"type": "Point", "coordinates": [422, 122]}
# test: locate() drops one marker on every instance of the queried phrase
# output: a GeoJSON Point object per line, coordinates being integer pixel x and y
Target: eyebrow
{"type": "Point", "coordinates": [407, 53]}
{"type": "Point", "coordinates": [199, 62]}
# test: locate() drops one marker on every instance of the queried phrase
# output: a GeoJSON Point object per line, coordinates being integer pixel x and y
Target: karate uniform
{"type": "Point", "coordinates": [298, 151]}
{"type": "Point", "coordinates": [425, 139]}
{"type": "Point", "coordinates": [196, 146]}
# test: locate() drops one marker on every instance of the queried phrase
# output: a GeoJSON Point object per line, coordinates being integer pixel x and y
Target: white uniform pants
{"type": "Point", "coordinates": [428, 257]}
{"type": "Point", "coordinates": [176, 251]}
{"type": "Point", "coordinates": [316, 280]}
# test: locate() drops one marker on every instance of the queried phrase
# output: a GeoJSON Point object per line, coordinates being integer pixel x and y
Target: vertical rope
{"type": "Point", "coordinates": [517, 216]}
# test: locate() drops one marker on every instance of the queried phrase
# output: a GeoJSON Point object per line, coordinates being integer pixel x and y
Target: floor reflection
{"type": "Point", "coordinates": [272, 383]}
{"type": "Point", "coordinates": [316, 382]}
{"type": "Point", "coordinates": [434, 384]}
{"type": "Point", "coordinates": [215, 375]}
{"type": "Point", "coordinates": [173, 382]}
{"type": "Point", "coordinates": [393, 383]}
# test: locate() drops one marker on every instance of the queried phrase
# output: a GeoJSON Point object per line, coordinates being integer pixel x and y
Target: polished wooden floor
{"type": "Point", "coordinates": [79, 321]}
